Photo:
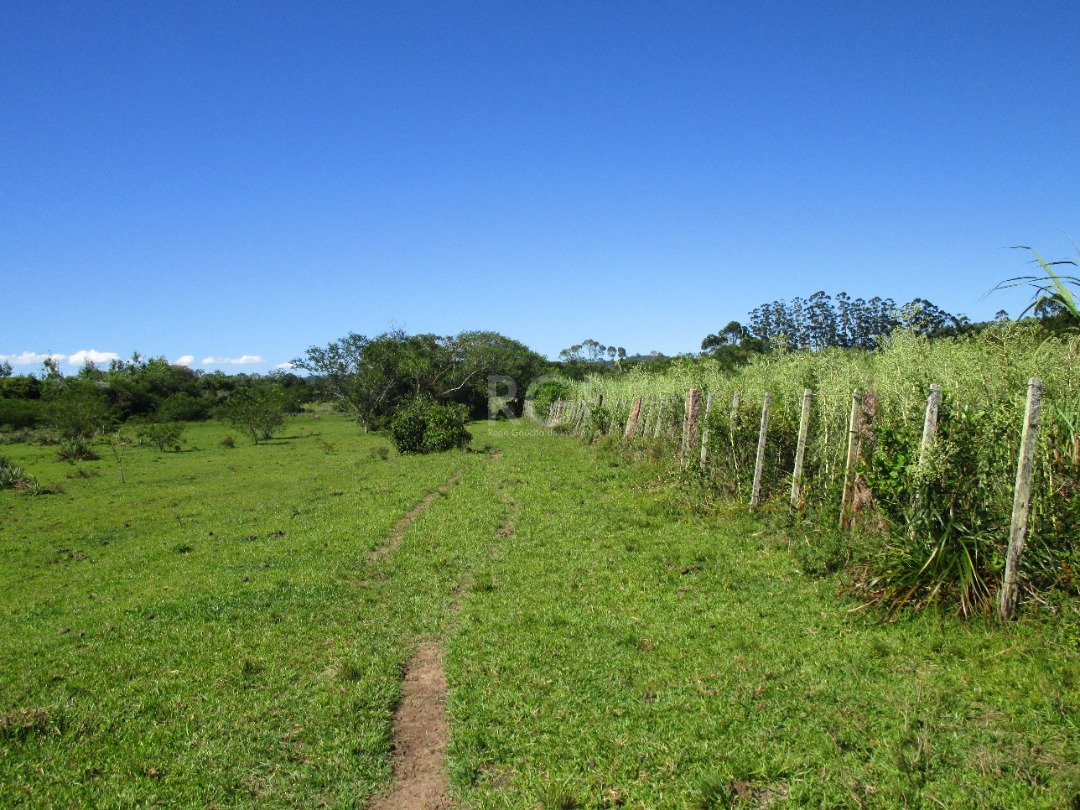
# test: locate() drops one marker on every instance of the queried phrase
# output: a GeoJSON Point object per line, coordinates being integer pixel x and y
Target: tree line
{"type": "Point", "coordinates": [432, 381]}
{"type": "Point", "coordinates": [152, 395]}
{"type": "Point", "coordinates": [435, 383]}
{"type": "Point", "coordinates": [821, 321]}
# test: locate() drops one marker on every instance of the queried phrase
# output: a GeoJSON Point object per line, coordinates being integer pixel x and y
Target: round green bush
{"type": "Point", "coordinates": [429, 427]}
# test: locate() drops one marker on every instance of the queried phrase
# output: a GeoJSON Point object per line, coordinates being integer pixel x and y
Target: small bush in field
{"type": "Point", "coordinates": [75, 450]}
{"type": "Point", "coordinates": [429, 427]}
{"type": "Point", "coordinates": [547, 394]}
{"type": "Point", "coordinates": [77, 411]}
{"type": "Point", "coordinates": [257, 409]}
{"type": "Point", "coordinates": [162, 435]}
{"type": "Point", "coordinates": [380, 452]}
{"type": "Point", "coordinates": [228, 441]}
{"type": "Point", "coordinates": [13, 477]}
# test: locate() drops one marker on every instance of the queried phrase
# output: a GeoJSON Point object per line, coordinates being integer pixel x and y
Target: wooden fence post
{"type": "Point", "coordinates": [1010, 588]}
{"type": "Point", "coordinates": [929, 428]}
{"type": "Point", "coordinates": [643, 423]}
{"type": "Point", "coordinates": [632, 420]}
{"type": "Point", "coordinates": [800, 448]}
{"type": "Point", "coordinates": [705, 430]}
{"type": "Point", "coordinates": [861, 497]}
{"type": "Point", "coordinates": [659, 419]}
{"type": "Point", "coordinates": [736, 401]}
{"type": "Point", "coordinates": [759, 464]}
{"type": "Point", "coordinates": [690, 425]}
{"type": "Point", "coordinates": [929, 432]}
{"type": "Point", "coordinates": [852, 450]}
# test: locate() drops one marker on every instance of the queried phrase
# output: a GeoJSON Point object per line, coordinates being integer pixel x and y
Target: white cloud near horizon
{"type": "Point", "coordinates": [285, 366]}
{"type": "Point", "coordinates": [96, 357]}
{"type": "Point", "coordinates": [92, 355]}
{"type": "Point", "coordinates": [29, 358]}
{"type": "Point", "coordinates": [242, 360]}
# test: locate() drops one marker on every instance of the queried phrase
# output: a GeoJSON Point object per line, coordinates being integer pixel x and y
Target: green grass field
{"type": "Point", "coordinates": [211, 632]}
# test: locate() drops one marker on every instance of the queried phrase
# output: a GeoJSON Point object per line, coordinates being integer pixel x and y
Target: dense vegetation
{"type": "Point", "coordinates": [939, 528]}
{"type": "Point", "coordinates": [819, 322]}
{"type": "Point", "coordinates": [430, 381]}
{"type": "Point", "coordinates": [73, 410]}
{"type": "Point", "coordinates": [373, 378]}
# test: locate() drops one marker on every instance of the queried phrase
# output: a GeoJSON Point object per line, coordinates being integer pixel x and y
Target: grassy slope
{"type": "Point", "coordinates": [613, 648]}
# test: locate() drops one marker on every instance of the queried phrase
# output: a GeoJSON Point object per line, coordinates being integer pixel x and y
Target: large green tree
{"type": "Point", "coordinates": [372, 378]}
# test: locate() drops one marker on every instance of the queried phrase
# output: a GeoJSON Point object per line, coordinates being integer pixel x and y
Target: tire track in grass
{"type": "Point", "coordinates": [421, 734]}
{"type": "Point", "coordinates": [402, 525]}
{"type": "Point", "coordinates": [505, 531]}
{"type": "Point", "coordinates": [421, 731]}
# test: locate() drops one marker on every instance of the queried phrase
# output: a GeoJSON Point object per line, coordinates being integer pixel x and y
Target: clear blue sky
{"type": "Point", "coordinates": [228, 181]}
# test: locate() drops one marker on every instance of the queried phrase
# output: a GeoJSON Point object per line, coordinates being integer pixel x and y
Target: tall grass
{"type": "Point", "coordinates": [1052, 290]}
{"type": "Point", "coordinates": [943, 525]}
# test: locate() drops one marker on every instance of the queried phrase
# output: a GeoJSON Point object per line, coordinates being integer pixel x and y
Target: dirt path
{"type": "Point", "coordinates": [399, 529]}
{"type": "Point", "coordinates": [420, 736]}
{"type": "Point", "coordinates": [421, 731]}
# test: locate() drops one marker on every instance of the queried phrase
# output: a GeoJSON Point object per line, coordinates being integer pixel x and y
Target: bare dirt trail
{"type": "Point", "coordinates": [421, 731]}
{"type": "Point", "coordinates": [421, 734]}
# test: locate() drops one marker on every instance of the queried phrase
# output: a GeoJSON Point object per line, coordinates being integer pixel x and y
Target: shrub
{"type": "Point", "coordinates": [83, 472]}
{"type": "Point", "coordinates": [13, 477]}
{"type": "Point", "coordinates": [162, 435]}
{"type": "Point", "coordinates": [75, 450]}
{"type": "Point", "coordinates": [183, 407]}
{"type": "Point", "coordinates": [20, 436]}
{"type": "Point", "coordinates": [429, 427]}
{"type": "Point", "coordinates": [547, 394]}
{"type": "Point", "coordinates": [408, 427]}
{"type": "Point", "coordinates": [20, 413]}
{"type": "Point", "coordinates": [446, 428]}
{"type": "Point", "coordinates": [77, 411]}
{"type": "Point", "coordinates": [228, 441]}
{"type": "Point", "coordinates": [599, 421]}
{"type": "Point", "coordinates": [258, 410]}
